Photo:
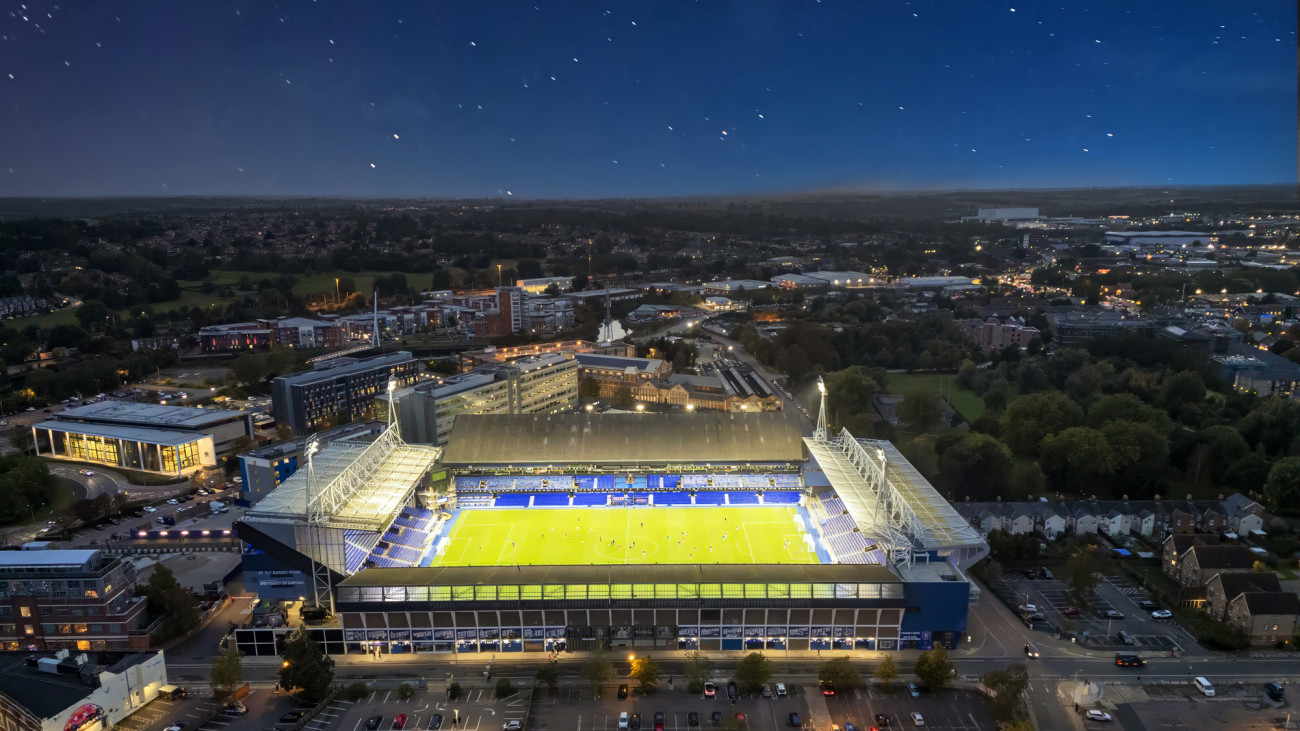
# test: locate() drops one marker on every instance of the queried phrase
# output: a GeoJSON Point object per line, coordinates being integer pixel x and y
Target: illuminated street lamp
{"type": "Point", "coordinates": [640, 407]}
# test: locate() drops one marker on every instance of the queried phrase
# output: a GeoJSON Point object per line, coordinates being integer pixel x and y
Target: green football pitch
{"type": "Point", "coordinates": [588, 536]}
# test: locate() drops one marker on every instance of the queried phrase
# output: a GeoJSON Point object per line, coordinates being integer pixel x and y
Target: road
{"type": "Point", "coordinates": [806, 424]}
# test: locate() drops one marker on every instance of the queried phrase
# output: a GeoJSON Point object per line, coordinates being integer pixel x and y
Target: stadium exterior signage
{"type": "Point", "coordinates": [534, 633]}
{"type": "Point", "coordinates": [422, 635]}
{"type": "Point", "coordinates": [377, 635]}
{"type": "Point", "coordinates": [445, 635]}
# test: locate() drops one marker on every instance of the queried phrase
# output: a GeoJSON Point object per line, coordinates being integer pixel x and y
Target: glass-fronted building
{"type": "Point", "coordinates": [148, 450]}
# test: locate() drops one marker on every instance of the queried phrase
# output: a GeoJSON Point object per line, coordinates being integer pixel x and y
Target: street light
{"type": "Point", "coordinates": [640, 407]}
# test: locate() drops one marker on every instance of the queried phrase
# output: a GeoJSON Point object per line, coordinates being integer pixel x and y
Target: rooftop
{"type": "Point", "coordinates": [151, 415]}
{"type": "Point", "coordinates": [352, 366]}
{"type": "Point", "coordinates": [71, 558]}
{"type": "Point", "coordinates": [46, 694]}
{"type": "Point", "coordinates": [127, 433]}
{"type": "Point", "coordinates": [617, 573]}
{"type": "Point", "coordinates": [491, 439]}
{"type": "Point", "coordinates": [644, 365]}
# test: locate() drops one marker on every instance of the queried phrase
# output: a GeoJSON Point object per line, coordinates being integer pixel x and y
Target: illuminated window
{"type": "Point", "coordinates": [25, 611]}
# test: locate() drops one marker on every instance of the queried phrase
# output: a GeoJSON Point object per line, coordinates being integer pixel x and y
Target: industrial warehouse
{"type": "Point", "coordinates": [533, 532]}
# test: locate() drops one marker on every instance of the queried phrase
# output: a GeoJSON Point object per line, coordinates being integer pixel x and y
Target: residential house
{"type": "Point", "coordinates": [1115, 523]}
{"type": "Point", "coordinates": [1213, 521]}
{"type": "Point", "coordinates": [1268, 617]}
{"type": "Point", "coordinates": [1022, 521]}
{"type": "Point", "coordinates": [1200, 563]}
{"type": "Point", "coordinates": [1084, 521]}
{"type": "Point", "coordinates": [1182, 521]}
{"type": "Point", "coordinates": [1176, 545]}
{"type": "Point", "coordinates": [1223, 588]}
{"type": "Point", "coordinates": [1053, 524]}
{"type": "Point", "coordinates": [1146, 522]}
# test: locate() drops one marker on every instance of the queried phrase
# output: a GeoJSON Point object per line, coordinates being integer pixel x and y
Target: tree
{"type": "Point", "coordinates": [548, 673]}
{"type": "Point", "coordinates": [306, 667]}
{"type": "Point", "coordinates": [1019, 724]}
{"type": "Point", "coordinates": [227, 672]}
{"type": "Point", "coordinates": [623, 398]}
{"type": "Point", "coordinates": [503, 688]}
{"type": "Point", "coordinates": [405, 692]}
{"type": "Point", "coordinates": [839, 672]}
{"type": "Point", "coordinates": [1027, 419]}
{"type": "Point", "coordinates": [753, 671]}
{"type": "Point", "coordinates": [646, 672]}
{"type": "Point", "coordinates": [1282, 489]}
{"type": "Point", "coordinates": [589, 388]}
{"type": "Point", "coordinates": [161, 581]}
{"type": "Point", "coordinates": [934, 668]}
{"type": "Point", "coordinates": [698, 668]}
{"type": "Point", "coordinates": [979, 465]}
{"type": "Point", "coordinates": [1081, 574]}
{"type": "Point", "coordinates": [598, 671]}
{"type": "Point", "coordinates": [887, 672]}
{"type": "Point", "coordinates": [1006, 687]}
{"type": "Point", "coordinates": [921, 409]}
{"type": "Point", "coordinates": [249, 369]}
{"type": "Point", "coordinates": [1079, 457]}
{"type": "Point", "coordinates": [92, 315]}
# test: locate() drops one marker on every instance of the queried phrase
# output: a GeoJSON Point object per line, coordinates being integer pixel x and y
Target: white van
{"type": "Point", "coordinates": [622, 721]}
{"type": "Point", "coordinates": [1204, 686]}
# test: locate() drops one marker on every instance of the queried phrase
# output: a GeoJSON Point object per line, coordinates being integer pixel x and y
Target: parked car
{"type": "Point", "coordinates": [716, 718]}
{"type": "Point", "coordinates": [913, 691]}
{"type": "Point", "coordinates": [173, 501]}
{"type": "Point", "coordinates": [1113, 614]}
{"type": "Point", "coordinates": [1148, 605]}
{"type": "Point", "coordinates": [780, 690]}
{"type": "Point", "coordinates": [1275, 691]}
{"type": "Point", "coordinates": [435, 722]}
{"type": "Point", "coordinates": [1204, 686]}
{"type": "Point", "coordinates": [659, 721]}
{"type": "Point", "coordinates": [767, 691]}
{"type": "Point", "coordinates": [732, 691]}
{"type": "Point", "coordinates": [149, 509]}
{"type": "Point", "coordinates": [623, 721]}
{"type": "Point", "coordinates": [292, 716]}
{"type": "Point", "coordinates": [374, 722]}
{"type": "Point", "coordinates": [710, 690]}
{"type": "Point", "coordinates": [635, 721]}
{"type": "Point", "coordinates": [1071, 612]}
{"type": "Point", "coordinates": [693, 719]}
{"type": "Point", "coordinates": [794, 721]}
{"type": "Point", "coordinates": [1027, 608]}
{"type": "Point", "coordinates": [399, 721]}
{"type": "Point", "coordinates": [234, 709]}
{"type": "Point", "coordinates": [1162, 614]}
{"type": "Point", "coordinates": [514, 725]}
{"type": "Point", "coordinates": [917, 719]}
{"type": "Point", "coordinates": [622, 692]}
{"type": "Point", "coordinates": [1127, 638]}
{"type": "Point", "coordinates": [884, 719]}
{"type": "Point", "coordinates": [1096, 715]}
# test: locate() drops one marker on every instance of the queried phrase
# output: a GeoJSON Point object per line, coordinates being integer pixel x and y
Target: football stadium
{"type": "Point", "coordinates": [541, 533]}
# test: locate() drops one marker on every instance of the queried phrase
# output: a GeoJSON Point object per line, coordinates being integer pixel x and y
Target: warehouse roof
{"type": "Point", "coordinates": [615, 574]}
{"type": "Point", "coordinates": [494, 439]}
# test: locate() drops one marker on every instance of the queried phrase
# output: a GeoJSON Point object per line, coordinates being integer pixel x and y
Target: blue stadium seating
{"type": "Point", "coordinates": [742, 498]}
{"type": "Point", "coordinates": [467, 483]}
{"type": "Point", "coordinates": [588, 499]}
{"type": "Point", "coordinates": [550, 499]}
{"type": "Point", "coordinates": [353, 556]}
{"type": "Point", "coordinates": [475, 501]}
{"type": "Point", "coordinates": [605, 482]}
{"type": "Point", "coordinates": [673, 498]}
{"type": "Point", "coordinates": [693, 481]}
{"type": "Point", "coordinates": [837, 525]}
{"type": "Point", "coordinates": [513, 500]}
{"type": "Point", "coordinates": [755, 480]}
{"type": "Point", "coordinates": [705, 497]}
{"type": "Point", "coordinates": [832, 506]}
{"type": "Point", "coordinates": [500, 481]}
{"type": "Point", "coordinates": [585, 482]}
{"type": "Point", "coordinates": [785, 480]}
{"type": "Point", "coordinates": [775, 497]}
{"type": "Point", "coordinates": [671, 481]}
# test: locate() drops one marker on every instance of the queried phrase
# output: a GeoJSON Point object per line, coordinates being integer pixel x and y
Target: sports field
{"type": "Point", "coordinates": [529, 536]}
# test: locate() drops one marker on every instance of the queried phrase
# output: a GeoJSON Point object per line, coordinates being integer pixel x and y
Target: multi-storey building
{"type": "Point", "coordinates": [993, 334]}
{"type": "Point", "coordinates": [614, 373]}
{"type": "Point", "coordinates": [69, 599]}
{"type": "Point", "coordinates": [542, 384]}
{"type": "Point", "coordinates": [340, 390]}
{"type": "Point", "coordinates": [294, 332]}
{"type": "Point", "coordinates": [492, 313]}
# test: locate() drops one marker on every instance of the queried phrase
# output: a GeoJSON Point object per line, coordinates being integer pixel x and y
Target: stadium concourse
{"type": "Point", "coordinates": [583, 531]}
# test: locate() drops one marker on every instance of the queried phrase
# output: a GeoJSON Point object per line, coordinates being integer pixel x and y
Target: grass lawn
{"type": "Point", "coordinates": [969, 405]}
{"type": "Point", "coordinates": [318, 282]}
{"type": "Point", "coordinates": [583, 536]}
{"type": "Point", "coordinates": [65, 316]}
{"type": "Point", "coordinates": [61, 499]}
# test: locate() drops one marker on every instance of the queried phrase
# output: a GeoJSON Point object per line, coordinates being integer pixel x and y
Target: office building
{"type": "Point", "coordinates": [339, 391]}
{"type": "Point", "coordinates": [541, 384]}
{"type": "Point", "coordinates": [614, 373]}
{"type": "Point", "coordinates": [293, 332]}
{"type": "Point", "coordinates": [69, 599]}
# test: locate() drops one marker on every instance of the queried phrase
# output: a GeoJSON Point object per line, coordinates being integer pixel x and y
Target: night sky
{"type": "Point", "coordinates": [573, 99]}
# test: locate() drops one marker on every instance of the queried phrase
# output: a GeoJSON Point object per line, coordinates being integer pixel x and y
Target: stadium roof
{"type": "Point", "coordinates": [355, 487]}
{"type": "Point", "coordinates": [617, 573]}
{"type": "Point", "coordinates": [499, 439]}
{"type": "Point", "coordinates": [908, 511]}
{"type": "Point", "coordinates": [150, 415]}
{"type": "Point", "coordinates": [127, 433]}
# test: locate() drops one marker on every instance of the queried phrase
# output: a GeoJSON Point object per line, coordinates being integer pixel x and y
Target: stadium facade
{"type": "Point", "coordinates": [874, 558]}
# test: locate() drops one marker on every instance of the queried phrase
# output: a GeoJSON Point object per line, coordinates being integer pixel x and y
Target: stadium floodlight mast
{"type": "Point", "coordinates": [322, 581]}
{"type": "Point", "coordinates": [392, 406]}
{"type": "Point", "coordinates": [822, 433]}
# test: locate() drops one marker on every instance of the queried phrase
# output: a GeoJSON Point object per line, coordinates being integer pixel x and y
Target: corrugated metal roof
{"type": "Point", "coordinates": [623, 574]}
{"type": "Point", "coordinates": [482, 439]}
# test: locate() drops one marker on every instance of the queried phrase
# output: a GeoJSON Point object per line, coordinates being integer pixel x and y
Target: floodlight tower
{"type": "Point", "coordinates": [392, 407]}
{"type": "Point", "coordinates": [822, 433]}
{"type": "Point", "coordinates": [322, 580]}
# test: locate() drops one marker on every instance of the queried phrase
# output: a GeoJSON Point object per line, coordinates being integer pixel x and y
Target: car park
{"type": "Point", "coordinates": [917, 719]}
{"type": "Point", "coordinates": [1096, 715]}
{"type": "Point", "coordinates": [710, 690]}
{"type": "Point", "coordinates": [1162, 614]}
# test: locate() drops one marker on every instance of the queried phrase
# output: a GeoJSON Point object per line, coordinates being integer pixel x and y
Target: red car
{"type": "Point", "coordinates": [1071, 611]}
{"type": "Point", "coordinates": [400, 721]}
